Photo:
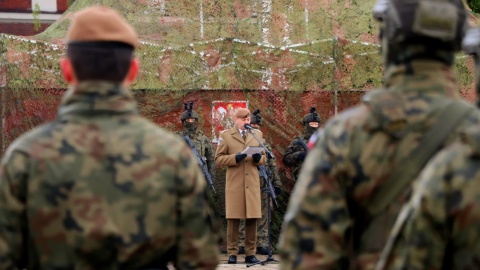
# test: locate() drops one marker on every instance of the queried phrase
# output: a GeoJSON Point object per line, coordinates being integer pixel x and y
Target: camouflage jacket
{"type": "Point", "coordinates": [442, 229]}
{"type": "Point", "coordinates": [204, 147]}
{"type": "Point", "coordinates": [102, 188]}
{"type": "Point", "coordinates": [354, 156]}
{"type": "Point", "coordinates": [291, 156]}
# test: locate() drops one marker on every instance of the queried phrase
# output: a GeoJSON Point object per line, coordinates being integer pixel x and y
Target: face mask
{"type": "Point", "coordinates": [190, 126]}
{"type": "Point", "coordinates": [310, 130]}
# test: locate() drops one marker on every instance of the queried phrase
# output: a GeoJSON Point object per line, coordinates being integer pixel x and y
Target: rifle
{"type": "Point", "coordinates": [303, 144]}
{"type": "Point", "coordinates": [200, 162]}
{"type": "Point", "coordinates": [263, 173]}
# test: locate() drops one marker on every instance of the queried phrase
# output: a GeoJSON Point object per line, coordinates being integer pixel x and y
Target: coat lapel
{"type": "Point", "coordinates": [237, 135]}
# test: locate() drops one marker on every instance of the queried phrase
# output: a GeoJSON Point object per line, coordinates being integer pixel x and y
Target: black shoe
{"type": "Point", "coordinates": [262, 250]}
{"type": "Point", "coordinates": [251, 259]}
{"type": "Point", "coordinates": [232, 259]}
{"type": "Point", "coordinates": [241, 250]}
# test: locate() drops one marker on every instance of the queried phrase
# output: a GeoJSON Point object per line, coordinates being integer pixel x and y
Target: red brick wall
{"type": "Point", "coordinates": [17, 5]}
{"type": "Point", "coordinates": [61, 6]}
{"type": "Point", "coordinates": [21, 29]}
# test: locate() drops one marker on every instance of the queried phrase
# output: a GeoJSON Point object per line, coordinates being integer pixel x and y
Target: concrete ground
{"type": "Point", "coordinates": [241, 265]}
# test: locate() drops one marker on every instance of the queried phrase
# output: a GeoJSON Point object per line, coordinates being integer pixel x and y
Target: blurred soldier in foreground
{"type": "Point", "coordinates": [242, 188]}
{"type": "Point", "coordinates": [297, 150]}
{"type": "Point", "coordinates": [199, 143]}
{"type": "Point", "coordinates": [101, 187]}
{"type": "Point", "coordinates": [439, 227]}
{"type": "Point", "coordinates": [262, 232]}
{"type": "Point", "coordinates": [354, 180]}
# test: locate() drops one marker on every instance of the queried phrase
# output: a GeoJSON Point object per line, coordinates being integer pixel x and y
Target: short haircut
{"type": "Point", "coordinates": [109, 61]}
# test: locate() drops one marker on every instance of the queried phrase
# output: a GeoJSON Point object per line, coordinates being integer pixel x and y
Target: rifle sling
{"type": "Point", "coordinates": [400, 179]}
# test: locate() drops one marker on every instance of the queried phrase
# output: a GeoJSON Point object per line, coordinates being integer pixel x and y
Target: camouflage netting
{"type": "Point", "coordinates": [281, 56]}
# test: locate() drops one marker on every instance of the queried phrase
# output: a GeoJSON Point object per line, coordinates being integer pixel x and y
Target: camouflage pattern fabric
{"type": "Point", "coordinates": [204, 147]}
{"type": "Point", "coordinates": [442, 230]}
{"type": "Point", "coordinates": [262, 224]}
{"type": "Point", "coordinates": [354, 156]}
{"type": "Point", "coordinates": [292, 155]}
{"type": "Point", "coordinates": [101, 187]}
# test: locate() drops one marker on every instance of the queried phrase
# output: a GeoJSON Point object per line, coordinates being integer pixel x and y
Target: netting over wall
{"type": "Point", "coordinates": [281, 56]}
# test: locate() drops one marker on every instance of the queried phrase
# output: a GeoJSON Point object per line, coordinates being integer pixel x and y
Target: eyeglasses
{"type": "Point", "coordinates": [190, 120]}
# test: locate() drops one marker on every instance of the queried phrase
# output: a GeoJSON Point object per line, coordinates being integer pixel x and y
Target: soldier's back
{"type": "Point", "coordinates": [110, 192]}
{"type": "Point", "coordinates": [354, 158]}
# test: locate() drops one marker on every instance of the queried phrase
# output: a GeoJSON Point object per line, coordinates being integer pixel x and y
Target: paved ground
{"type": "Point", "coordinates": [241, 265]}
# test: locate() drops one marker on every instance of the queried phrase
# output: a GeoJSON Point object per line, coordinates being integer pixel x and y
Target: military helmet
{"type": "Point", "coordinates": [256, 118]}
{"type": "Point", "coordinates": [439, 23]}
{"type": "Point", "coordinates": [189, 113]}
{"type": "Point", "coordinates": [311, 117]}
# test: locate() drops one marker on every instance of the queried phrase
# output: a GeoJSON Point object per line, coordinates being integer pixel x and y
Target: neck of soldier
{"type": "Point", "coordinates": [419, 71]}
{"type": "Point", "coordinates": [190, 132]}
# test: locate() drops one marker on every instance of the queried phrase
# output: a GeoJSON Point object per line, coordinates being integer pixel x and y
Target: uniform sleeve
{"type": "Point", "coordinates": [210, 156]}
{"type": "Point", "coordinates": [272, 166]}
{"type": "Point", "coordinates": [223, 157]}
{"type": "Point", "coordinates": [442, 231]}
{"type": "Point", "coordinates": [197, 230]}
{"type": "Point", "coordinates": [316, 222]}
{"type": "Point", "coordinates": [290, 158]}
{"type": "Point", "coordinates": [13, 177]}
{"type": "Point", "coordinates": [263, 159]}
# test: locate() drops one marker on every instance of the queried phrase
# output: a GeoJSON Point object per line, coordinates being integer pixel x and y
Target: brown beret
{"type": "Point", "coordinates": [99, 23]}
{"type": "Point", "coordinates": [242, 113]}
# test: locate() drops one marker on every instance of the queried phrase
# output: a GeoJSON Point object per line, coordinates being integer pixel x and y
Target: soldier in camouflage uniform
{"type": "Point", "coordinates": [439, 227]}
{"type": "Point", "coordinates": [101, 187]}
{"type": "Point", "coordinates": [262, 224]}
{"type": "Point", "coordinates": [201, 142]}
{"type": "Point", "coordinates": [341, 212]}
{"type": "Point", "coordinates": [297, 150]}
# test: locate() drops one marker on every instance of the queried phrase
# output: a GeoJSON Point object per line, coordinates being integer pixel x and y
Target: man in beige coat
{"type": "Point", "coordinates": [242, 190]}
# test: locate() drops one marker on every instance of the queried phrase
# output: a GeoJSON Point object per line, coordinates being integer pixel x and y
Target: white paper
{"type": "Point", "coordinates": [252, 150]}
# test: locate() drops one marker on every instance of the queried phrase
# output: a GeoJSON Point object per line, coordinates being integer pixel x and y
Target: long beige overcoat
{"type": "Point", "coordinates": [242, 188]}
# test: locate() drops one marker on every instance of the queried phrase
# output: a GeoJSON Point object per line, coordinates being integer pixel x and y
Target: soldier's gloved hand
{"type": "Point", "coordinates": [239, 157]}
{"type": "Point", "coordinates": [278, 191]}
{"type": "Point", "coordinates": [256, 157]}
{"type": "Point", "coordinates": [301, 155]}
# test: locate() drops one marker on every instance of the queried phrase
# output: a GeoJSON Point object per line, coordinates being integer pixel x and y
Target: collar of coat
{"type": "Point", "coordinates": [235, 132]}
{"type": "Point", "coordinates": [93, 97]}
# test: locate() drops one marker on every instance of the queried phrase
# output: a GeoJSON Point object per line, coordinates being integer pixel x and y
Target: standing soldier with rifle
{"type": "Point", "coordinates": [199, 143]}
{"type": "Point", "coordinates": [297, 150]}
{"type": "Point", "coordinates": [269, 182]}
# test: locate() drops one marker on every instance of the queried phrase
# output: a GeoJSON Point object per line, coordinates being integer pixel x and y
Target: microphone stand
{"type": "Point", "coordinates": [270, 195]}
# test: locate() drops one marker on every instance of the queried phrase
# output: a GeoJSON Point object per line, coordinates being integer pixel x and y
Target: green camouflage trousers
{"type": "Point", "coordinates": [262, 225]}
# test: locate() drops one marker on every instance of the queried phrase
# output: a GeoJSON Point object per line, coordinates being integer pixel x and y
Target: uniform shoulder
{"type": "Point", "coordinates": [257, 131]}
{"type": "Point", "coordinates": [25, 143]}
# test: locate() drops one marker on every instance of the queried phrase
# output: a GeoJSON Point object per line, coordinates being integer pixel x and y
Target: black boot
{"type": "Point", "coordinates": [262, 250]}
{"type": "Point", "coordinates": [232, 259]}
{"type": "Point", "coordinates": [251, 259]}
